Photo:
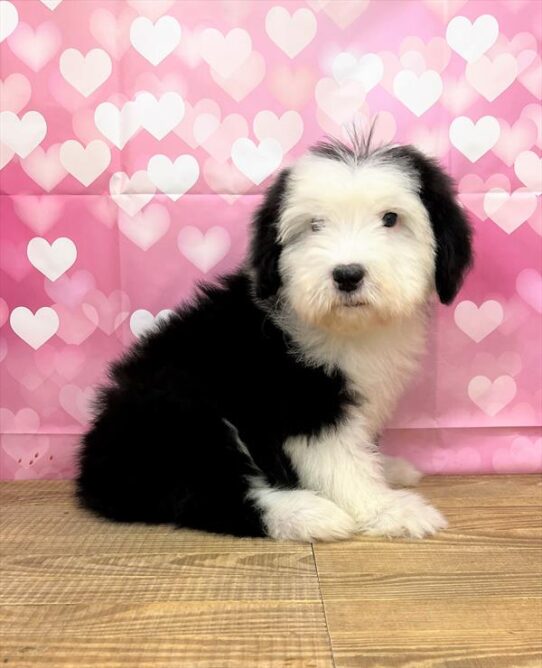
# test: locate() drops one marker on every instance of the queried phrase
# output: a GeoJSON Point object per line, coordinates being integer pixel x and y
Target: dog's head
{"type": "Point", "coordinates": [352, 236]}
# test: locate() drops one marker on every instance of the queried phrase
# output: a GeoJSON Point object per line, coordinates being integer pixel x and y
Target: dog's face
{"type": "Point", "coordinates": [348, 241]}
{"type": "Point", "coordinates": [357, 243]}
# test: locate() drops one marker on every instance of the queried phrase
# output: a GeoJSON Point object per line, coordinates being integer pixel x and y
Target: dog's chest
{"type": "Point", "coordinates": [378, 368]}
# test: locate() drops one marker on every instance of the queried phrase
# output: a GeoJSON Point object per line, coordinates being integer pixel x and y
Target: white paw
{"type": "Point", "coordinates": [303, 515]}
{"type": "Point", "coordinates": [399, 471]}
{"type": "Point", "coordinates": [404, 514]}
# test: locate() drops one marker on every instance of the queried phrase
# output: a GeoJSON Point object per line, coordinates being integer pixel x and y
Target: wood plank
{"type": "Point", "coordinates": [471, 648]}
{"type": "Point", "coordinates": [470, 596]}
{"type": "Point", "coordinates": [81, 591]}
{"type": "Point", "coordinates": [482, 490]}
{"type": "Point", "coordinates": [42, 517]}
{"type": "Point", "coordinates": [91, 651]}
{"type": "Point", "coordinates": [169, 577]}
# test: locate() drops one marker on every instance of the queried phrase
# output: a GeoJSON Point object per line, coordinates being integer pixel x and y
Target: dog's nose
{"type": "Point", "coordinates": [347, 277]}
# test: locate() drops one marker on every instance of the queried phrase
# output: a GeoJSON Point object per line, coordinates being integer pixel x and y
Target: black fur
{"type": "Point", "coordinates": [159, 450]}
{"type": "Point", "coordinates": [450, 224]}
{"type": "Point", "coordinates": [360, 149]}
{"type": "Point", "coordinates": [265, 248]}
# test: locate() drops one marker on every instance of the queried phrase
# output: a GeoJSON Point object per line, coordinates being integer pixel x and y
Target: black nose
{"type": "Point", "coordinates": [347, 277]}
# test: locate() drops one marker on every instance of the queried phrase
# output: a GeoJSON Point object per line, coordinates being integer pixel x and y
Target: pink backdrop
{"type": "Point", "coordinates": [137, 137]}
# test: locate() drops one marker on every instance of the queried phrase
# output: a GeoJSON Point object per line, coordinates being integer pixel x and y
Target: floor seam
{"type": "Point", "coordinates": [323, 607]}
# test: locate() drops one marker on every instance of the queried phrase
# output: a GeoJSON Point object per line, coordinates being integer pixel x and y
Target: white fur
{"type": "Point", "coordinates": [376, 345]}
{"type": "Point", "coordinates": [299, 514]}
{"type": "Point", "coordinates": [349, 203]}
{"type": "Point", "coordinates": [348, 470]}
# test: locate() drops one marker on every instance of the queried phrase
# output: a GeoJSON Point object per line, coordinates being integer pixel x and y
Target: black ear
{"type": "Point", "coordinates": [265, 248]}
{"type": "Point", "coordinates": [451, 227]}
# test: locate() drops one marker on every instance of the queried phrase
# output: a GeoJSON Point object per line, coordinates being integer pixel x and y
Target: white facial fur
{"type": "Point", "coordinates": [350, 201]}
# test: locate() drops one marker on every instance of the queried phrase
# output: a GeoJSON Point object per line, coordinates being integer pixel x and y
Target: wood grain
{"type": "Point", "coordinates": [78, 591]}
{"type": "Point", "coordinates": [470, 596]}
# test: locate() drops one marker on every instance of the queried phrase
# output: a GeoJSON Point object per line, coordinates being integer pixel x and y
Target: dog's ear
{"type": "Point", "coordinates": [453, 234]}
{"type": "Point", "coordinates": [265, 247]}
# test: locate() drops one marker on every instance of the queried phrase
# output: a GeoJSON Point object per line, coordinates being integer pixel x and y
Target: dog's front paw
{"type": "Point", "coordinates": [404, 514]}
{"type": "Point", "coordinates": [302, 515]}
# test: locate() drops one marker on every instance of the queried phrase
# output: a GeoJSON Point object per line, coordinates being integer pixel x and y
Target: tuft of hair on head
{"type": "Point", "coordinates": [360, 149]}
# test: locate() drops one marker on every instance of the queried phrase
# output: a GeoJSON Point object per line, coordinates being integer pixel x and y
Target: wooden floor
{"type": "Point", "coordinates": [76, 591]}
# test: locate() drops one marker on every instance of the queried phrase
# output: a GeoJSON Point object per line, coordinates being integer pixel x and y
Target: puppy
{"type": "Point", "coordinates": [256, 409]}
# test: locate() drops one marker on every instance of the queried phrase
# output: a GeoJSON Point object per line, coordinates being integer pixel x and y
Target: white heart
{"type": "Point", "coordinates": [204, 126]}
{"type": "Point", "coordinates": [225, 54]}
{"type": "Point", "coordinates": [39, 212]}
{"type": "Point", "coordinates": [339, 102]}
{"type": "Point", "coordinates": [34, 329]}
{"type": "Point", "coordinates": [51, 4]}
{"type": "Point", "coordinates": [204, 250]}
{"type": "Point", "coordinates": [494, 199]}
{"type": "Point", "coordinates": [528, 169]}
{"type": "Point", "coordinates": [117, 125]}
{"type": "Point", "coordinates": [155, 41]}
{"type": "Point", "coordinates": [492, 397]}
{"type": "Point", "coordinates": [54, 259]}
{"type": "Point", "coordinates": [491, 77]}
{"type": "Point", "coordinates": [367, 70]}
{"type": "Point", "coordinates": [472, 40]}
{"type": "Point", "coordinates": [143, 321]}
{"type": "Point", "coordinates": [507, 209]}
{"type": "Point", "coordinates": [85, 73]}
{"type": "Point", "coordinates": [529, 288]}
{"type": "Point", "coordinates": [287, 130]}
{"type": "Point", "coordinates": [173, 179]}
{"type": "Point", "coordinates": [22, 135]}
{"type": "Point", "coordinates": [85, 164]}
{"type": "Point", "coordinates": [160, 117]}
{"type": "Point", "coordinates": [36, 47]}
{"type": "Point", "coordinates": [77, 402]}
{"type": "Point", "coordinates": [291, 33]}
{"type": "Point", "coordinates": [44, 167]}
{"type": "Point", "coordinates": [147, 227]}
{"type": "Point", "coordinates": [131, 194]}
{"type": "Point", "coordinates": [478, 322]}
{"type": "Point", "coordinates": [256, 162]}
{"type": "Point", "coordinates": [418, 93]}
{"type": "Point", "coordinates": [6, 153]}
{"type": "Point", "coordinates": [9, 19]}
{"type": "Point", "coordinates": [474, 140]}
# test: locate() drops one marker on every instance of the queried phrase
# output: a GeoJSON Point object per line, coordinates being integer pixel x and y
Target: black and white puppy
{"type": "Point", "coordinates": [255, 410]}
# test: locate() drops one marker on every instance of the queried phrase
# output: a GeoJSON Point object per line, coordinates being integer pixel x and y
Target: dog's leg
{"type": "Point", "coordinates": [299, 514]}
{"type": "Point", "coordinates": [154, 459]}
{"type": "Point", "coordinates": [400, 472]}
{"type": "Point", "coordinates": [346, 468]}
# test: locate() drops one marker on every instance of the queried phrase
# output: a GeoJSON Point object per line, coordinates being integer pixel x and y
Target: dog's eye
{"type": "Point", "coordinates": [317, 224]}
{"type": "Point", "coordinates": [389, 219]}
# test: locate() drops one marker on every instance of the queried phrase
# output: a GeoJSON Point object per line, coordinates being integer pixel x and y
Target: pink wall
{"type": "Point", "coordinates": [102, 98]}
